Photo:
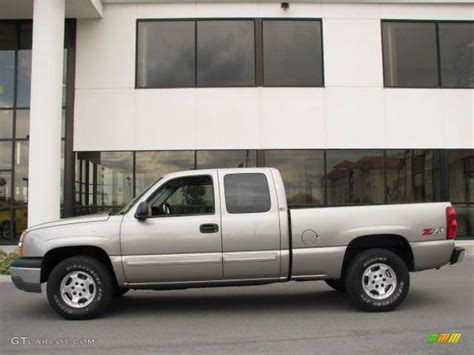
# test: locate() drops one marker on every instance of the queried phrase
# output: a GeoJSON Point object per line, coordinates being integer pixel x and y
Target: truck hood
{"type": "Point", "coordinates": [72, 220]}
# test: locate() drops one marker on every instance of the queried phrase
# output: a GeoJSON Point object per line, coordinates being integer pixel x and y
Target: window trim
{"type": "Point", "coordinates": [258, 50]}
{"type": "Point", "coordinates": [185, 215]}
{"type": "Point", "coordinates": [438, 53]}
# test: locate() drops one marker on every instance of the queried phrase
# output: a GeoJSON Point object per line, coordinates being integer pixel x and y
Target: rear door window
{"type": "Point", "coordinates": [246, 193]}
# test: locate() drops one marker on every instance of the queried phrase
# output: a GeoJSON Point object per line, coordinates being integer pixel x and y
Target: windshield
{"type": "Point", "coordinates": [138, 197]}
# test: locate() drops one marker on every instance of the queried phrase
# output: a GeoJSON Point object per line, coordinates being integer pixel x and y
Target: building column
{"type": "Point", "coordinates": [45, 115]}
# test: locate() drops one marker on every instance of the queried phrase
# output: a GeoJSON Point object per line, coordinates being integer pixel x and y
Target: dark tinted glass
{"type": "Point", "coordinates": [410, 54]}
{"type": "Point", "coordinates": [7, 63]}
{"type": "Point", "coordinates": [355, 176]}
{"type": "Point", "coordinates": [5, 194]}
{"type": "Point", "coordinates": [218, 159]}
{"type": "Point", "coordinates": [412, 176]}
{"type": "Point", "coordinates": [303, 175]}
{"type": "Point", "coordinates": [292, 54]}
{"type": "Point", "coordinates": [456, 43]}
{"type": "Point", "coordinates": [165, 54]}
{"type": "Point", "coordinates": [246, 193]}
{"type": "Point", "coordinates": [225, 53]}
{"type": "Point", "coordinates": [461, 175]}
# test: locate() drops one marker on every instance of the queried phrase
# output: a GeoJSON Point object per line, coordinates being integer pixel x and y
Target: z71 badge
{"type": "Point", "coordinates": [432, 231]}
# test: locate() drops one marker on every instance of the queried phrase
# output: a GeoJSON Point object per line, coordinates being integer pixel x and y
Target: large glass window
{"type": "Point", "coordinates": [6, 124]}
{"type": "Point", "coordinates": [213, 159]}
{"type": "Point", "coordinates": [303, 174]}
{"type": "Point", "coordinates": [104, 181]}
{"type": "Point", "coordinates": [229, 52]}
{"type": "Point", "coordinates": [456, 44]}
{"type": "Point", "coordinates": [184, 196]}
{"type": "Point", "coordinates": [15, 64]}
{"type": "Point", "coordinates": [246, 193]}
{"type": "Point", "coordinates": [166, 54]}
{"type": "Point", "coordinates": [409, 54]}
{"type": "Point", "coordinates": [292, 53]}
{"type": "Point", "coordinates": [413, 176]}
{"type": "Point", "coordinates": [355, 176]}
{"type": "Point", "coordinates": [226, 53]}
{"type": "Point", "coordinates": [8, 45]}
{"type": "Point", "coordinates": [152, 165]}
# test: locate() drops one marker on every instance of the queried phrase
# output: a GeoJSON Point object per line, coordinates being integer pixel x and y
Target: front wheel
{"type": "Point", "coordinates": [377, 280]}
{"type": "Point", "coordinates": [80, 287]}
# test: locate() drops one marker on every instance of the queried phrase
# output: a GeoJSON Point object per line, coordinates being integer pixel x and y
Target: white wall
{"type": "Point", "coordinates": [352, 111]}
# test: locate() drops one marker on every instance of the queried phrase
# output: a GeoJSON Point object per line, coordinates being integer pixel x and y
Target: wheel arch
{"type": "Point", "coordinates": [393, 242]}
{"type": "Point", "coordinates": [54, 256]}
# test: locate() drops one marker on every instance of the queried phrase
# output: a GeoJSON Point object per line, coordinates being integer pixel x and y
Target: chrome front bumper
{"type": "Point", "coordinates": [26, 274]}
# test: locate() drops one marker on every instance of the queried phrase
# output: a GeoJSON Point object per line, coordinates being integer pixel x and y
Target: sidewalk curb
{"type": "Point", "coordinates": [5, 278]}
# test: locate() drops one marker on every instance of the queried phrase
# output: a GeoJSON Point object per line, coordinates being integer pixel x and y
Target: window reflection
{"type": "Point", "coordinates": [410, 54]}
{"type": "Point", "coordinates": [461, 175]}
{"type": "Point", "coordinates": [5, 155]}
{"type": "Point", "coordinates": [214, 159]}
{"type": "Point", "coordinates": [292, 53]}
{"type": "Point", "coordinates": [226, 53]}
{"type": "Point", "coordinates": [456, 43]}
{"type": "Point", "coordinates": [21, 172]}
{"type": "Point", "coordinates": [413, 176]}
{"type": "Point", "coordinates": [165, 54]}
{"type": "Point", "coordinates": [7, 63]}
{"type": "Point", "coordinates": [355, 176]}
{"type": "Point", "coordinates": [24, 66]}
{"type": "Point", "coordinates": [105, 179]}
{"type": "Point", "coordinates": [151, 165]}
{"type": "Point", "coordinates": [6, 124]}
{"type": "Point", "coordinates": [5, 189]}
{"type": "Point", "coordinates": [303, 175]}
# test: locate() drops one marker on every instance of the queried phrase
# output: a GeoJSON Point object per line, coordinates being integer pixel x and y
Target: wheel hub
{"type": "Point", "coordinates": [379, 281]}
{"type": "Point", "coordinates": [78, 289]}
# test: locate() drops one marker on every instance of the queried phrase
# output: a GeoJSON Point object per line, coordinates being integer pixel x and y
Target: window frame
{"type": "Point", "coordinates": [438, 53]}
{"type": "Point", "coordinates": [148, 199]}
{"type": "Point", "coordinates": [258, 50]}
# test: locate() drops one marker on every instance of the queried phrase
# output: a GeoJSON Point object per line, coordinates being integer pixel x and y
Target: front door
{"type": "Point", "coordinates": [181, 239]}
{"type": "Point", "coordinates": [250, 225]}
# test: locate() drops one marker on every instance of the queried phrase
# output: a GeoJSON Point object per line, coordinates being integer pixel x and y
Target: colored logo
{"type": "Point", "coordinates": [442, 338]}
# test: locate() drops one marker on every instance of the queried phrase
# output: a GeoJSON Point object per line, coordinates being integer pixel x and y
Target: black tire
{"type": "Point", "coordinates": [337, 284]}
{"type": "Point", "coordinates": [6, 231]}
{"type": "Point", "coordinates": [368, 301]}
{"type": "Point", "coordinates": [119, 292]}
{"type": "Point", "coordinates": [104, 286]}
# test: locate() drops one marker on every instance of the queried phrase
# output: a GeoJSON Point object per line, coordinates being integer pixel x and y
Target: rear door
{"type": "Point", "coordinates": [250, 224]}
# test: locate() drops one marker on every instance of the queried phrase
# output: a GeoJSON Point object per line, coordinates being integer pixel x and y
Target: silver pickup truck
{"type": "Point", "coordinates": [221, 227]}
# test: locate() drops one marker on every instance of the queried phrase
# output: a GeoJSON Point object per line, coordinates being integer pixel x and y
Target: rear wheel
{"type": "Point", "coordinates": [80, 287]}
{"type": "Point", "coordinates": [377, 280]}
{"type": "Point", "coordinates": [337, 284]}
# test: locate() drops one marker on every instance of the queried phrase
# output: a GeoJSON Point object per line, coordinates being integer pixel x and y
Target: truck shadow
{"type": "Point", "coordinates": [164, 302]}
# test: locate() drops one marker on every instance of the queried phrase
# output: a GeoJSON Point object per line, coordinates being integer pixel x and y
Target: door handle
{"type": "Point", "coordinates": [209, 228]}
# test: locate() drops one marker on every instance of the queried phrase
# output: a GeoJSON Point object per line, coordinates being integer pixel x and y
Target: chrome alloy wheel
{"type": "Point", "coordinates": [78, 289]}
{"type": "Point", "coordinates": [379, 281]}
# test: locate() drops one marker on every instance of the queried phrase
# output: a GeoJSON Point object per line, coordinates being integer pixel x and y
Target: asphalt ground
{"type": "Point", "coordinates": [306, 317]}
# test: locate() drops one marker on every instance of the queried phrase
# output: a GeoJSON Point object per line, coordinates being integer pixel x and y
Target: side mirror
{"type": "Point", "coordinates": [142, 211]}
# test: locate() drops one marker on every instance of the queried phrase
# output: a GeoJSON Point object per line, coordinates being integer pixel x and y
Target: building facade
{"type": "Point", "coordinates": [367, 102]}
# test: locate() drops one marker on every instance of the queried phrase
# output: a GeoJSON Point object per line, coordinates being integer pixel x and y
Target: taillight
{"type": "Point", "coordinates": [451, 223]}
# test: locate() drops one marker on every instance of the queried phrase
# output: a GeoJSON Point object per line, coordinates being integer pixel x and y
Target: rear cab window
{"type": "Point", "coordinates": [247, 193]}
